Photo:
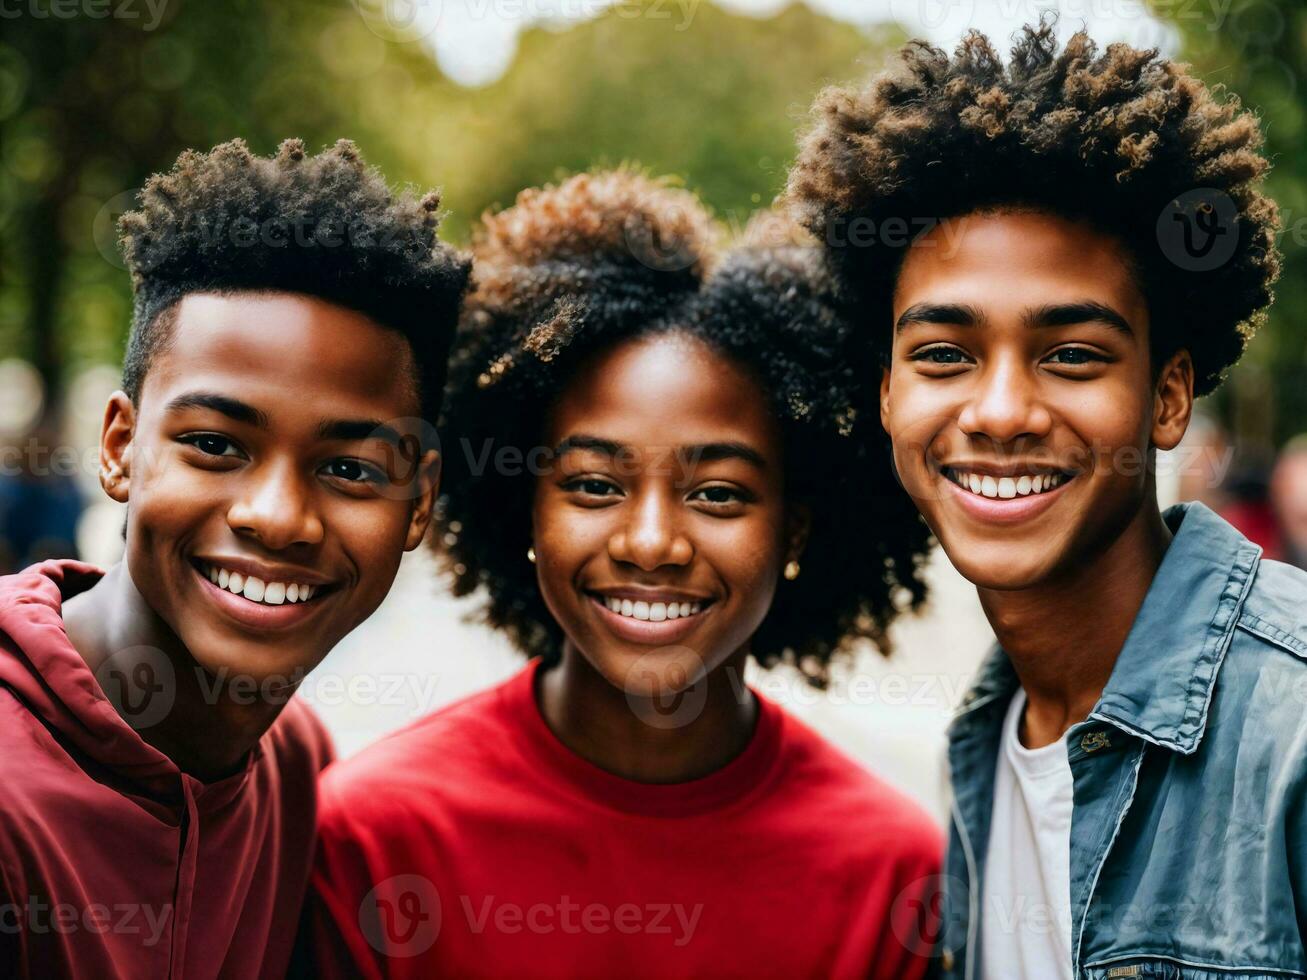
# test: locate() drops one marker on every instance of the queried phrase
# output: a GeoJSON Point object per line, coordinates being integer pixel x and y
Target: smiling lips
{"type": "Point", "coordinates": [258, 603]}
{"type": "Point", "coordinates": [1005, 487]}
{"type": "Point", "coordinates": [1008, 499]}
{"type": "Point", "coordinates": [649, 619]}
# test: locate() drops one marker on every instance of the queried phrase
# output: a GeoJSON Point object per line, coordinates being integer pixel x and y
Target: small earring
{"type": "Point", "coordinates": [531, 555]}
{"type": "Point", "coordinates": [791, 570]}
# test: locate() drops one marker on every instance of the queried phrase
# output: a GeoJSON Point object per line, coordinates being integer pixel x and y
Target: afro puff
{"type": "Point", "coordinates": [1123, 140]}
{"type": "Point", "coordinates": [605, 258]}
{"type": "Point", "coordinates": [325, 225]}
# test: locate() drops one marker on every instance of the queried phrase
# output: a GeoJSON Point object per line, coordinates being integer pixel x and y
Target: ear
{"type": "Point", "coordinates": [798, 524]}
{"type": "Point", "coordinates": [884, 397]}
{"type": "Point", "coordinates": [425, 502]}
{"type": "Point", "coordinates": [116, 437]}
{"type": "Point", "coordinates": [1173, 400]}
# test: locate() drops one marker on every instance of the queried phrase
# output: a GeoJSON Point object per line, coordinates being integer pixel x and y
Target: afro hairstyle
{"type": "Point", "coordinates": [1116, 140]}
{"type": "Point", "coordinates": [604, 258]}
{"type": "Point", "coordinates": [325, 226]}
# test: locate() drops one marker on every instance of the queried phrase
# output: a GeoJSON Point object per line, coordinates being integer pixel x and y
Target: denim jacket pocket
{"type": "Point", "coordinates": [1145, 968]}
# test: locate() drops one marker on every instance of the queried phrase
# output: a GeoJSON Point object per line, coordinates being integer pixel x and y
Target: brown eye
{"type": "Point", "coordinates": [212, 444]}
{"type": "Point", "coordinates": [1076, 356]}
{"type": "Point", "coordinates": [590, 486]}
{"type": "Point", "coordinates": [352, 471]}
{"type": "Point", "coordinates": [941, 354]}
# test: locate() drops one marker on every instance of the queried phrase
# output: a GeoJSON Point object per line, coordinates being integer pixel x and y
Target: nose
{"type": "Point", "coordinates": [651, 535]}
{"type": "Point", "coordinates": [275, 508]}
{"type": "Point", "coordinates": [1005, 404]}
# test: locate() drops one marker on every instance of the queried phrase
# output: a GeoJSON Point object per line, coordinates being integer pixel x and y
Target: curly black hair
{"type": "Point", "coordinates": [324, 225]}
{"type": "Point", "coordinates": [571, 271]}
{"type": "Point", "coordinates": [1121, 140]}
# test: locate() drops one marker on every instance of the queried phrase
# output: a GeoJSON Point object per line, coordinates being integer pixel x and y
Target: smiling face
{"type": "Point", "coordinates": [660, 531]}
{"type": "Point", "coordinates": [268, 505]}
{"type": "Point", "coordinates": [1020, 397]}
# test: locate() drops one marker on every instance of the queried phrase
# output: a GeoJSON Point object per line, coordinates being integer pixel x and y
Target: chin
{"type": "Point", "coordinates": [254, 670]}
{"type": "Point", "coordinates": [650, 672]}
{"type": "Point", "coordinates": [1002, 567]}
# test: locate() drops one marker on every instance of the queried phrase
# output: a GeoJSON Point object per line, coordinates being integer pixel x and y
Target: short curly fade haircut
{"type": "Point", "coordinates": [602, 259]}
{"type": "Point", "coordinates": [326, 226]}
{"type": "Point", "coordinates": [1111, 139]}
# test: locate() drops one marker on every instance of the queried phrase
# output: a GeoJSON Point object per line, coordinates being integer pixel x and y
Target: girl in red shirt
{"type": "Point", "coordinates": [651, 471]}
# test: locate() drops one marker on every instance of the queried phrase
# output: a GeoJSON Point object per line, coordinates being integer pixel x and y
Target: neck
{"type": "Point", "coordinates": [1064, 636]}
{"type": "Point", "coordinates": [205, 733]}
{"type": "Point", "coordinates": [600, 723]}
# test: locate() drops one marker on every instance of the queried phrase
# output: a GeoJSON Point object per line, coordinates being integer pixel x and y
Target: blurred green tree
{"type": "Point", "coordinates": [1258, 50]}
{"type": "Point", "coordinates": [90, 105]}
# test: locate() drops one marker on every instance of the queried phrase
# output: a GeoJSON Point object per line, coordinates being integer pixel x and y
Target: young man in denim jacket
{"type": "Point", "coordinates": [1053, 258]}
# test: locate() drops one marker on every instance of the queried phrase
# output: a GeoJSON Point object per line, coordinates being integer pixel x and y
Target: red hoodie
{"type": "Point", "coordinates": [113, 862]}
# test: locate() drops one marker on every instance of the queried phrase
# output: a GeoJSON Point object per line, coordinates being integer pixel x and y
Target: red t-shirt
{"type": "Point", "coordinates": [474, 844]}
{"type": "Point", "coordinates": [115, 863]}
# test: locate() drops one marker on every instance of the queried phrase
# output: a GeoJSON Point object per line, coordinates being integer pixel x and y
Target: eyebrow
{"type": "Point", "coordinates": [333, 429]}
{"type": "Point", "coordinates": [355, 430]}
{"type": "Point", "coordinates": [952, 314]}
{"type": "Point", "coordinates": [707, 452]}
{"type": "Point", "coordinates": [1050, 315]}
{"type": "Point", "coordinates": [233, 408]}
{"type": "Point", "coordinates": [1068, 314]}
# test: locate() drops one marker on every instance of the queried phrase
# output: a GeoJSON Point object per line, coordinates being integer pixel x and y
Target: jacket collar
{"type": "Point", "coordinates": [1161, 687]}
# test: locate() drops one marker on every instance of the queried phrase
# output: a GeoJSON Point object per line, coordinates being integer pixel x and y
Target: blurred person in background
{"type": "Point", "coordinates": [1289, 500]}
{"type": "Point", "coordinates": [1214, 473]}
{"type": "Point", "coordinates": [39, 505]}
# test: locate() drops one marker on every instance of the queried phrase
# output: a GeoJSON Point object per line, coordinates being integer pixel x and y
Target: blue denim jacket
{"type": "Point", "coordinates": [1189, 826]}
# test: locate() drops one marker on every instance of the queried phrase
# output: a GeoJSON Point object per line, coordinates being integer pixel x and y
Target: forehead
{"type": "Point", "coordinates": [663, 391]}
{"type": "Point", "coordinates": [284, 350]}
{"type": "Point", "coordinates": [1004, 261]}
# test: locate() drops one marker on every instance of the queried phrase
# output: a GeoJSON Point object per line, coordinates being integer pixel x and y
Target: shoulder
{"type": "Point", "coordinates": [858, 805]}
{"type": "Point", "coordinates": [1275, 610]}
{"type": "Point", "coordinates": [445, 754]}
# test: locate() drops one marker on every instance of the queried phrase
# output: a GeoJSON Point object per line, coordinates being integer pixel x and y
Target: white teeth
{"type": "Point", "coordinates": [1007, 487]}
{"type": "Point", "coordinates": [256, 590]}
{"type": "Point", "coordinates": [651, 612]}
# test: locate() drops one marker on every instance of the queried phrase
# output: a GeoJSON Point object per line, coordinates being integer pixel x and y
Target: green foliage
{"type": "Point", "coordinates": [1258, 50]}
{"type": "Point", "coordinates": [89, 107]}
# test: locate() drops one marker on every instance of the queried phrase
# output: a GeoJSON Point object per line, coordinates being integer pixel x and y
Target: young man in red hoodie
{"type": "Point", "coordinates": [291, 327]}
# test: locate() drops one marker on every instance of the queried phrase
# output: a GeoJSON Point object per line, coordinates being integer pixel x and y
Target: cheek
{"type": "Point", "coordinates": [747, 553]}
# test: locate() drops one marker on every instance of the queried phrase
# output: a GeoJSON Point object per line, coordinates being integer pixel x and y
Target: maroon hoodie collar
{"type": "Point", "coordinates": [40, 665]}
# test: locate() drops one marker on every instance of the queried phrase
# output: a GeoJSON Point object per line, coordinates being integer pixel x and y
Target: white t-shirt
{"type": "Point", "coordinates": [1026, 899]}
